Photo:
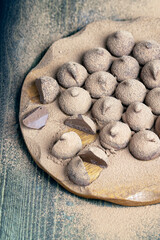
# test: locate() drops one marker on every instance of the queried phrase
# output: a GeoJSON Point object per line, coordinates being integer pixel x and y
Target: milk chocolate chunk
{"type": "Point", "coordinates": [48, 89]}
{"type": "Point", "coordinates": [37, 118]}
{"type": "Point", "coordinates": [95, 156]}
{"type": "Point", "coordinates": [82, 123]}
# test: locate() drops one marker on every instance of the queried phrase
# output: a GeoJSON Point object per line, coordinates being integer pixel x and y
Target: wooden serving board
{"type": "Point", "coordinates": [135, 185]}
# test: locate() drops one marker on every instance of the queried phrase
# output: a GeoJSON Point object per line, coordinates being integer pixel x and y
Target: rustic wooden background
{"type": "Point", "coordinates": [30, 201]}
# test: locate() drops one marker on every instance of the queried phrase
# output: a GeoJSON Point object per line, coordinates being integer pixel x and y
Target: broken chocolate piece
{"type": "Point", "coordinates": [48, 89]}
{"type": "Point", "coordinates": [37, 118]}
{"type": "Point", "coordinates": [82, 123]}
{"type": "Point", "coordinates": [95, 156]}
{"type": "Point", "coordinates": [77, 173]}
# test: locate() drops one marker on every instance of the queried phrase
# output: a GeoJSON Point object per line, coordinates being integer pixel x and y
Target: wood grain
{"type": "Point", "coordinates": [30, 201]}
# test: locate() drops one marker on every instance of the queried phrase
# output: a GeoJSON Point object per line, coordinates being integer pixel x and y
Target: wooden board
{"type": "Point", "coordinates": [140, 190]}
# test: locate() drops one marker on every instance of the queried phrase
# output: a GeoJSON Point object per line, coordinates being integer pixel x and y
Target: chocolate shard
{"type": "Point", "coordinates": [82, 123]}
{"type": "Point", "coordinates": [37, 118]}
{"type": "Point", "coordinates": [95, 156]}
{"type": "Point", "coordinates": [48, 89]}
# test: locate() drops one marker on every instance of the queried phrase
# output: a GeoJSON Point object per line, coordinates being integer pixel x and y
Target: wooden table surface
{"type": "Point", "coordinates": [30, 201]}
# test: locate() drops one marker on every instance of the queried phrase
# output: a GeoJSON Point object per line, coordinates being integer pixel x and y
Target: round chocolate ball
{"type": "Point", "coordinates": [138, 116]}
{"type": "Point", "coordinates": [153, 100]}
{"type": "Point", "coordinates": [146, 51]}
{"type": "Point", "coordinates": [71, 74]}
{"type": "Point", "coordinates": [145, 145]}
{"type": "Point", "coordinates": [150, 74]}
{"type": "Point", "coordinates": [125, 68]}
{"type": "Point", "coordinates": [107, 109]}
{"type": "Point", "coordinates": [131, 90]}
{"type": "Point", "coordinates": [100, 84]}
{"type": "Point", "coordinates": [75, 100]}
{"type": "Point", "coordinates": [97, 59]}
{"type": "Point", "coordinates": [120, 43]}
{"type": "Point", "coordinates": [115, 135]}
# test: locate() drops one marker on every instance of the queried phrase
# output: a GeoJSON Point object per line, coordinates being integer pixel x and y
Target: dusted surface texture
{"type": "Point", "coordinates": [32, 205]}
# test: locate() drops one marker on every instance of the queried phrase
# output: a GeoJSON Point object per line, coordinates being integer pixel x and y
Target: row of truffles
{"type": "Point", "coordinates": [128, 92]}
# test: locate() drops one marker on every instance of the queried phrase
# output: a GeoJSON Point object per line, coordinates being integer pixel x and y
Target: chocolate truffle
{"type": "Point", "coordinates": [67, 146]}
{"type": "Point", "coordinates": [125, 68]}
{"type": "Point", "coordinates": [157, 126]}
{"type": "Point", "coordinates": [146, 51]}
{"type": "Point", "coordinates": [150, 74]}
{"type": "Point", "coordinates": [115, 135]}
{"type": "Point", "coordinates": [120, 43]}
{"type": "Point", "coordinates": [106, 109]}
{"type": "Point", "coordinates": [97, 59]}
{"type": "Point", "coordinates": [153, 100]}
{"type": "Point", "coordinates": [37, 118]}
{"type": "Point", "coordinates": [77, 172]}
{"type": "Point", "coordinates": [145, 145]}
{"type": "Point", "coordinates": [82, 123]}
{"type": "Point", "coordinates": [75, 100]}
{"type": "Point", "coordinates": [131, 90]}
{"type": "Point", "coordinates": [101, 84]}
{"type": "Point", "coordinates": [138, 116]}
{"type": "Point", "coordinates": [71, 74]}
{"type": "Point", "coordinates": [48, 89]}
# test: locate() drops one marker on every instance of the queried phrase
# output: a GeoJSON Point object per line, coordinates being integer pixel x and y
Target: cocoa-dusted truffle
{"type": "Point", "coordinates": [150, 74]}
{"type": "Point", "coordinates": [100, 84]}
{"type": "Point", "coordinates": [48, 89]}
{"type": "Point", "coordinates": [157, 126]}
{"type": "Point", "coordinates": [146, 51]}
{"type": "Point", "coordinates": [75, 100]}
{"type": "Point", "coordinates": [120, 43]}
{"type": "Point", "coordinates": [77, 172]}
{"type": "Point", "coordinates": [97, 59]}
{"type": "Point", "coordinates": [153, 100]}
{"type": "Point", "coordinates": [131, 90]}
{"type": "Point", "coordinates": [145, 145]}
{"type": "Point", "coordinates": [115, 135]}
{"type": "Point", "coordinates": [71, 74]}
{"type": "Point", "coordinates": [106, 109]}
{"type": "Point", "coordinates": [125, 68]}
{"type": "Point", "coordinates": [138, 116]}
{"type": "Point", "coordinates": [67, 146]}
{"type": "Point", "coordinates": [82, 123]}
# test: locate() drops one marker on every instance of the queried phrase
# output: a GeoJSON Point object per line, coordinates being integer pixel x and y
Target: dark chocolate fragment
{"type": "Point", "coordinates": [95, 156]}
{"type": "Point", "coordinates": [37, 118]}
{"type": "Point", "coordinates": [82, 123]}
